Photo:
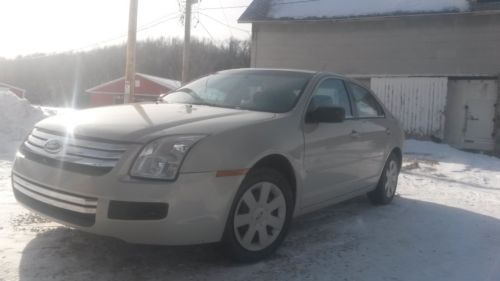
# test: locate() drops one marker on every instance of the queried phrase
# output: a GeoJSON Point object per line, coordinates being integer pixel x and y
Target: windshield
{"type": "Point", "coordinates": [269, 91]}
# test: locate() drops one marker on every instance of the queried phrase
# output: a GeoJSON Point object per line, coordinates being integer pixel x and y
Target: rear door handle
{"type": "Point", "coordinates": [388, 131]}
{"type": "Point", "coordinates": [354, 134]}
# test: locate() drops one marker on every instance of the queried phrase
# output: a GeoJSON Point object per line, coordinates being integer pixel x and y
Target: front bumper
{"type": "Point", "coordinates": [197, 204]}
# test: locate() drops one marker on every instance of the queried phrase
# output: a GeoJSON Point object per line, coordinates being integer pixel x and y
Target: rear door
{"type": "Point", "coordinates": [374, 133]}
{"type": "Point", "coordinates": [331, 149]}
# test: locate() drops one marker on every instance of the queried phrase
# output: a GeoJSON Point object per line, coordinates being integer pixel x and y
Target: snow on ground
{"type": "Point", "coordinates": [17, 117]}
{"type": "Point", "coordinates": [349, 8]}
{"type": "Point", "coordinates": [444, 224]}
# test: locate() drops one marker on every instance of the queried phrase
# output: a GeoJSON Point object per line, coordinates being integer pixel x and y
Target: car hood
{"type": "Point", "coordinates": [142, 122]}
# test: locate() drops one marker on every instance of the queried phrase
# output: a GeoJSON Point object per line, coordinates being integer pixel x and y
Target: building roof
{"type": "Point", "coordinates": [164, 82]}
{"type": "Point", "coordinates": [295, 10]}
{"type": "Point", "coordinates": [4, 90]}
{"type": "Point", "coordinates": [8, 86]}
{"type": "Point", "coordinates": [169, 83]}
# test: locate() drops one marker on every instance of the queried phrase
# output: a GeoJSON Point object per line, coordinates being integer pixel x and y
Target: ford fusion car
{"type": "Point", "coordinates": [229, 158]}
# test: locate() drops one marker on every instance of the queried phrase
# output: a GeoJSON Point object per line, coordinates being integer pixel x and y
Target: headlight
{"type": "Point", "coordinates": [162, 158]}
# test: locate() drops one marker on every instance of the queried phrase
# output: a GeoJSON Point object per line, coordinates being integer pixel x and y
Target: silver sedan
{"type": "Point", "coordinates": [229, 158]}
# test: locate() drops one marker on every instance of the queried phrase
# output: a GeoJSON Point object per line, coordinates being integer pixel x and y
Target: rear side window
{"type": "Point", "coordinates": [331, 92]}
{"type": "Point", "coordinates": [366, 105]}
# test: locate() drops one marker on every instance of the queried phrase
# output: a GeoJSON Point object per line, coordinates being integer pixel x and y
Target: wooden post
{"type": "Point", "coordinates": [131, 53]}
{"type": "Point", "coordinates": [187, 43]}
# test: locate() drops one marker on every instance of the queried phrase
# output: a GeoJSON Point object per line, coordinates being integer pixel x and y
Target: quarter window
{"type": "Point", "coordinates": [331, 92]}
{"type": "Point", "coordinates": [366, 105]}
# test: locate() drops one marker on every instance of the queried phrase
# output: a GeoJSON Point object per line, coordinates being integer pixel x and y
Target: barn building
{"type": "Point", "coordinates": [434, 63]}
{"type": "Point", "coordinates": [4, 87]}
{"type": "Point", "coordinates": [147, 88]}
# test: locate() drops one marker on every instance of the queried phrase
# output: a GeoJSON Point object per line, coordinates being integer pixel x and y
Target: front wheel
{"type": "Point", "coordinates": [386, 188]}
{"type": "Point", "coordinates": [259, 217]}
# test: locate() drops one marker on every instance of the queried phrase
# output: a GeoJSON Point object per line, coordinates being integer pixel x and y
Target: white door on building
{"type": "Point", "coordinates": [471, 113]}
{"type": "Point", "coordinates": [479, 123]}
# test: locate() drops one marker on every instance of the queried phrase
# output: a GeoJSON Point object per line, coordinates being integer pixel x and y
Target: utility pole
{"type": "Point", "coordinates": [187, 42]}
{"type": "Point", "coordinates": [131, 53]}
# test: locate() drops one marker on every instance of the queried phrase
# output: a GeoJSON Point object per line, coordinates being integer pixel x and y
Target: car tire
{"type": "Point", "coordinates": [386, 187]}
{"type": "Point", "coordinates": [254, 215]}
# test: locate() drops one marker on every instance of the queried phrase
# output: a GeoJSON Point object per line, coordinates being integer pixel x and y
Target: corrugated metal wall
{"type": "Point", "coordinates": [419, 103]}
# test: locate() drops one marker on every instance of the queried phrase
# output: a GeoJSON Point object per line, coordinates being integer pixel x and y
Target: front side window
{"type": "Point", "coordinates": [331, 92]}
{"type": "Point", "coordinates": [268, 91]}
{"type": "Point", "coordinates": [366, 105]}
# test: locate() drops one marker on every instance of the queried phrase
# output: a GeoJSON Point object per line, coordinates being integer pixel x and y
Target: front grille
{"type": "Point", "coordinates": [76, 168]}
{"type": "Point", "coordinates": [74, 150]}
{"type": "Point", "coordinates": [56, 198]}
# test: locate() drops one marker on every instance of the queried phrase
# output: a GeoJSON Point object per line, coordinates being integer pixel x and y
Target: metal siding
{"type": "Point", "coordinates": [452, 45]}
{"type": "Point", "coordinates": [419, 103]}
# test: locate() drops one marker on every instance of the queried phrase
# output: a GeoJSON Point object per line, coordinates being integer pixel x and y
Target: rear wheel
{"type": "Point", "coordinates": [386, 188]}
{"type": "Point", "coordinates": [259, 217]}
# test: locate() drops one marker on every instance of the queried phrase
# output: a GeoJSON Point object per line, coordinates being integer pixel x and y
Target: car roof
{"type": "Point", "coordinates": [312, 72]}
{"type": "Point", "coordinates": [236, 70]}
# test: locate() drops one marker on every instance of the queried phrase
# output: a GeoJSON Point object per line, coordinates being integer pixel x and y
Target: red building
{"type": "Point", "coordinates": [147, 88]}
{"type": "Point", "coordinates": [16, 90]}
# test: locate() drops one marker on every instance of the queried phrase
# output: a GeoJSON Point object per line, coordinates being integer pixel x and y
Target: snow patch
{"type": "Point", "coordinates": [17, 116]}
{"type": "Point", "coordinates": [350, 8]}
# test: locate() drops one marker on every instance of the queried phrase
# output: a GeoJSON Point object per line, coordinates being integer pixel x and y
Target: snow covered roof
{"type": "Point", "coordinates": [169, 83]}
{"type": "Point", "coordinates": [9, 86]}
{"type": "Point", "coordinates": [273, 10]}
{"type": "Point", "coordinates": [4, 91]}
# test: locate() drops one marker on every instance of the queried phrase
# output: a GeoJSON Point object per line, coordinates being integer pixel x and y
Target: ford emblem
{"type": "Point", "coordinates": [53, 146]}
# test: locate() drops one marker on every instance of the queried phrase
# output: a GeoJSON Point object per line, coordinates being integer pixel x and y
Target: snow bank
{"type": "Point", "coordinates": [17, 116]}
{"type": "Point", "coordinates": [350, 8]}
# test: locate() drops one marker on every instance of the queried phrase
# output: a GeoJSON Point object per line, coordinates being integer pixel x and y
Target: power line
{"type": "Point", "coordinates": [206, 30]}
{"type": "Point", "coordinates": [230, 26]}
{"type": "Point", "coordinates": [225, 16]}
{"type": "Point", "coordinates": [144, 27]}
{"type": "Point", "coordinates": [162, 20]}
{"type": "Point", "coordinates": [292, 2]}
{"type": "Point", "coordinates": [158, 23]}
{"type": "Point", "coordinates": [218, 8]}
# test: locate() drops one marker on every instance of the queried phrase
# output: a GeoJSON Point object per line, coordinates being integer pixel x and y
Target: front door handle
{"type": "Point", "coordinates": [354, 134]}
{"type": "Point", "coordinates": [388, 131]}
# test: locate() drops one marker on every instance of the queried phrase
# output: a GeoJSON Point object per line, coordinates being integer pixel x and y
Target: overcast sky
{"type": "Point", "coordinates": [49, 26]}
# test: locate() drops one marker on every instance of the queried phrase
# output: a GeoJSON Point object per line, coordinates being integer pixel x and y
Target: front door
{"type": "Point", "coordinates": [479, 124]}
{"type": "Point", "coordinates": [331, 149]}
{"type": "Point", "coordinates": [374, 134]}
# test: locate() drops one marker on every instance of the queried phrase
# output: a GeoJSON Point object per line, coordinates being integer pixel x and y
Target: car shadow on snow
{"type": "Point", "coordinates": [408, 240]}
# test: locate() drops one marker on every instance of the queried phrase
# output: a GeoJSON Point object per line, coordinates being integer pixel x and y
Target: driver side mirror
{"type": "Point", "coordinates": [326, 114]}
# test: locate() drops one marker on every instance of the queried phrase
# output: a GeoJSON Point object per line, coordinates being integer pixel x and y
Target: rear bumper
{"type": "Point", "coordinates": [191, 210]}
